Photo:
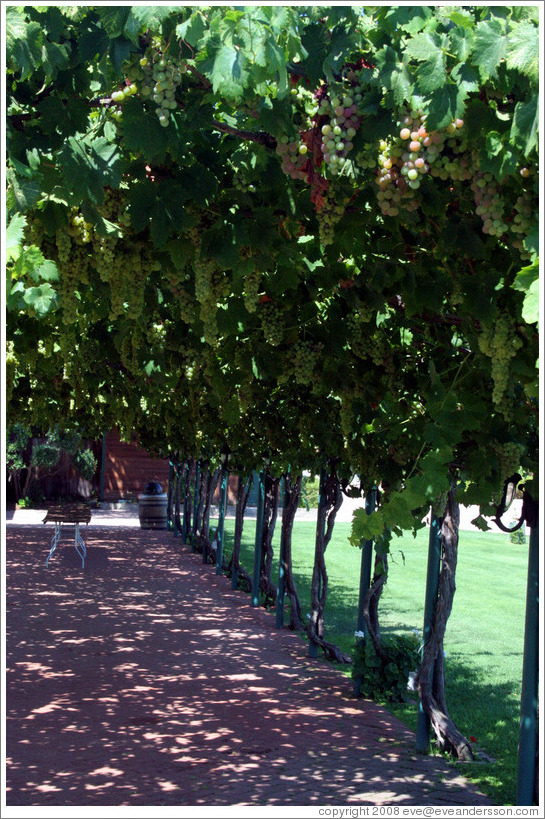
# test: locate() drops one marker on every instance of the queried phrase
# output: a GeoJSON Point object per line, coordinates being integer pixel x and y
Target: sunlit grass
{"type": "Point", "coordinates": [484, 638]}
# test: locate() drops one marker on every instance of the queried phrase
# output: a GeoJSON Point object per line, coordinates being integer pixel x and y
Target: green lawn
{"type": "Point", "coordinates": [484, 638]}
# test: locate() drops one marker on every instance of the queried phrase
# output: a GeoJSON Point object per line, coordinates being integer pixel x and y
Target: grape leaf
{"type": "Point", "coordinates": [152, 16]}
{"type": "Point", "coordinates": [524, 128]}
{"type": "Point", "coordinates": [408, 18]}
{"type": "Point", "coordinates": [527, 280]}
{"type": "Point", "coordinates": [142, 131]}
{"type": "Point", "coordinates": [490, 47]}
{"type": "Point", "coordinates": [465, 77]}
{"type": "Point", "coordinates": [14, 236]}
{"type": "Point", "coordinates": [192, 29]}
{"type": "Point", "coordinates": [41, 298]}
{"type": "Point", "coordinates": [114, 18]}
{"type": "Point", "coordinates": [523, 50]}
{"type": "Point", "coordinates": [89, 165]}
{"type": "Point", "coordinates": [22, 193]}
{"type": "Point", "coordinates": [444, 105]}
{"type": "Point", "coordinates": [23, 42]}
{"type": "Point", "coordinates": [55, 57]}
{"type": "Point", "coordinates": [461, 43]}
{"type": "Point", "coordinates": [230, 72]}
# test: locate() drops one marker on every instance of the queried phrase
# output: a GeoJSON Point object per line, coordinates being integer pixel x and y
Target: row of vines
{"type": "Point", "coordinates": [303, 237]}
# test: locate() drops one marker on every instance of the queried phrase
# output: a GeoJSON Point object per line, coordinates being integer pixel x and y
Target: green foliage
{"type": "Point", "coordinates": [85, 463]}
{"type": "Point", "coordinates": [310, 493]}
{"type": "Point", "coordinates": [171, 172]}
{"type": "Point", "coordinates": [386, 680]}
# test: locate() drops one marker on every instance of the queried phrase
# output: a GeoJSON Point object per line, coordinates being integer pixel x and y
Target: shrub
{"type": "Point", "coordinates": [386, 680]}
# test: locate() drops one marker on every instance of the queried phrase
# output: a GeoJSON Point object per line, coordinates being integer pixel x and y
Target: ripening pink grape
{"type": "Point", "coordinates": [414, 146]}
{"type": "Point", "coordinates": [459, 123]}
{"type": "Point", "coordinates": [420, 162]}
{"type": "Point", "coordinates": [414, 135]}
{"type": "Point", "coordinates": [436, 138]}
{"type": "Point", "coordinates": [427, 141]}
{"type": "Point", "coordinates": [404, 133]}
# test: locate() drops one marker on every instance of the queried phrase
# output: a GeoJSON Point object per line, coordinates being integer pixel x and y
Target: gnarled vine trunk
{"type": "Point", "coordinates": [331, 499]}
{"type": "Point", "coordinates": [371, 603]}
{"type": "Point", "coordinates": [292, 493]}
{"type": "Point", "coordinates": [243, 493]}
{"type": "Point", "coordinates": [270, 511]}
{"type": "Point", "coordinates": [431, 677]}
{"type": "Point", "coordinates": [203, 540]}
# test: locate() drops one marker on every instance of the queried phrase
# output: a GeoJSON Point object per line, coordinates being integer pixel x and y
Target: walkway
{"type": "Point", "coordinates": [144, 680]}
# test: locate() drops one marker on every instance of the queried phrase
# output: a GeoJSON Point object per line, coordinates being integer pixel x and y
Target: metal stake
{"type": "Point", "coordinates": [221, 520]}
{"type": "Point", "coordinates": [432, 587]}
{"type": "Point", "coordinates": [258, 539]}
{"type": "Point", "coordinates": [529, 696]}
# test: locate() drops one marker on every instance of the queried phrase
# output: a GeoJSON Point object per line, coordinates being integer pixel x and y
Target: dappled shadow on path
{"type": "Point", "coordinates": [144, 680]}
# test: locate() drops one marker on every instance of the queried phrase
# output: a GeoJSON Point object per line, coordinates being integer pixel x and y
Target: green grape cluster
{"type": "Point", "coordinates": [79, 229]}
{"type": "Point", "coordinates": [509, 456]}
{"type": "Point", "coordinates": [356, 322]}
{"type": "Point", "coordinates": [272, 322]}
{"type": "Point", "coordinates": [526, 206]}
{"type": "Point", "coordinates": [305, 360]}
{"type": "Point", "coordinates": [161, 77]}
{"type": "Point", "coordinates": [69, 278]}
{"type": "Point", "coordinates": [346, 415]}
{"type": "Point", "coordinates": [208, 286]}
{"type": "Point", "coordinates": [186, 305]}
{"type": "Point", "coordinates": [329, 212]}
{"type": "Point", "coordinates": [500, 343]}
{"type": "Point", "coordinates": [118, 285]}
{"type": "Point", "coordinates": [252, 281]}
{"type": "Point", "coordinates": [104, 248]}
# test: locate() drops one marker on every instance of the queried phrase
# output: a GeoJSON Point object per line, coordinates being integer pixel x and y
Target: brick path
{"type": "Point", "coordinates": [144, 680]}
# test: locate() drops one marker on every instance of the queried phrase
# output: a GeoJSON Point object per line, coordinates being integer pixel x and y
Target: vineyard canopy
{"type": "Point", "coordinates": [299, 234]}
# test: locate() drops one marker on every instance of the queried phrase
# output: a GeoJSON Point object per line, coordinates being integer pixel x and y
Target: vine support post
{"type": "Point", "coordinates": [195, 506]}
{"type": "Point", "coordinates": [529, 696]}
{"type": "Point", "coordinates": [170, 495]}
{"type": "Point", "coordinates": [258, 539]}
{"type": "Point", "coordinates": [187, 502]}
{"type": "Point", "coordinates": [281, 594]}
{"type": "Point", "coordinates": [221, 518]}
{"type": "Point", "coordinates": [313, 647]}
{"type": "Point", "coordinates": [177, 493]}
{"type": "Point", "coordinates": [423, 724]}
{"type": "Point", "coordinates": [234, 572]}
{"type": "Point", "coordinates": [365, 577]}
{"type": "Point", "coordinates": [102, 469]}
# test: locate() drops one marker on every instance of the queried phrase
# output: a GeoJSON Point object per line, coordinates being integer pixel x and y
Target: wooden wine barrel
{"type": "Point", "coordinates": [152, 511]}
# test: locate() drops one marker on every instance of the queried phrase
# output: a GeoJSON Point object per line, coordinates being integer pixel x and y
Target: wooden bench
{"type": "Point", "coordinates": [72, 514]}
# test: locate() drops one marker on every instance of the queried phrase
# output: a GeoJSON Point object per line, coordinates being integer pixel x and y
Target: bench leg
{"type": "Point", "coordinates": [79, 542]}
{"type": "Point", "coordinates": [54, 543]}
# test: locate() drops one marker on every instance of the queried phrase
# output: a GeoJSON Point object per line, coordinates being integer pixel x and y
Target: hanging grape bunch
{"type": "Point", "coordinates": [501, 344]}
{"type": "Point", "coordinates": [272, 322]}
{"type": "Point", "coordinates": [404, 161]}
{"type": "Point", "coordinates": [251, 280]}
{"type": "Point", "coordinates": [159, 77]}
{"type": "Point", "coordinates": [306, 355]}
{"type": "Point", "coordinates": [339, 106]}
